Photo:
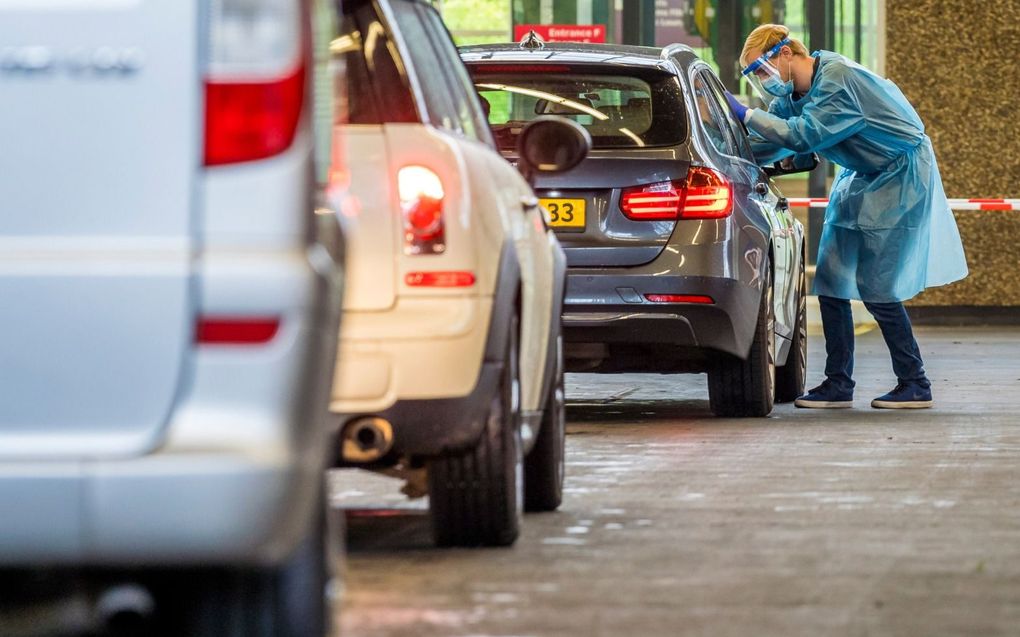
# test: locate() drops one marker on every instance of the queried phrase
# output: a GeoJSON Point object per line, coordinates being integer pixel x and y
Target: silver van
{"type": "Point", "coordinates": [168, 308]}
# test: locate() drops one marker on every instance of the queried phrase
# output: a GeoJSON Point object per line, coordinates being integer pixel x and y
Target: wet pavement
{"type": "Point", "coordinates": [674, 522]}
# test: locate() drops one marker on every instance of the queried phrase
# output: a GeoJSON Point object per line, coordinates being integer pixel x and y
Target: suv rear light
{"type": "Point", "coordinates": [421, 205]}
{"type": "Point", "coordinates": [704, 194]}
{"type": "Point", "coordinates": [235, 331]}
{"type": "Point", "coordinates": [255, 82]}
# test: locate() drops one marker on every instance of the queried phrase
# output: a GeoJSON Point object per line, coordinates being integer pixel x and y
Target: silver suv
{"type": "Point", "coordinates": [170, 307]}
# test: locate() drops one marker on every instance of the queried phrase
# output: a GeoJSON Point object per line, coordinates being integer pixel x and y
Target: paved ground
{"type": "Point", "coordinates": [677, 523]}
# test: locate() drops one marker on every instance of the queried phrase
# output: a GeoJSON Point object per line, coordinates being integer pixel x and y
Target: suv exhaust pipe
{"type": "Point", "coordinates": [366, 439]}
{"type": "Point", "coordinates": [125, 609]}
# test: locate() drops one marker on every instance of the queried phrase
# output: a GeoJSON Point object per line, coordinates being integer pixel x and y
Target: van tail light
{"type": "Point", "coordinates": [703, 194]}
{"type": "Point", "coordinates": [224, 330]}
{"type": "Point", "coordinates": [421, 206]}
{"type": "Point", "coordinates": [255, 81]}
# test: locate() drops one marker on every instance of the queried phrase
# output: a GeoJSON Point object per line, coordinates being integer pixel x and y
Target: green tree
{"type": "Point", "coordinates": [473, 16]}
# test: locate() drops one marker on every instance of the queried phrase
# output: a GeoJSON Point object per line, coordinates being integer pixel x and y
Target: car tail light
{"type": "Point", "coordinates": [255, 82]}
{"type": "Point", "coordinates": [421, 204]}
{"type": "Point", "coordinates": [704, 194]}
{"type": "Point", "coordinates": [654, 202]}
{"type": "Point", "coordinates": [679, 298]}
{"type": "Point", "coordinates": [235, 330]}
{"type": "Point", "coordinates": [709, 195]}
{"type": "Point", "coordinates": [456, 279]}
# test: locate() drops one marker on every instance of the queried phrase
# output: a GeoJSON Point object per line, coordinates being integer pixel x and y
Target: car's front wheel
{"type": "Point", "coordinates": [746, 388]}
{"type": "Point", "coordinates": [476, 497]}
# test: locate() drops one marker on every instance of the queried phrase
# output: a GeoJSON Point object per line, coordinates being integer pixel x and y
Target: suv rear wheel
{"type": "Point", "coordinates": [745, 388]}
{"type": "Point", "coordinates": [791, 377]}
{"type": "Point", "coordinates": [546, 464]}
{"type": "Point", "coordinates": [476, 498]}
{"type": "Point", "coordinates": [289, 600]}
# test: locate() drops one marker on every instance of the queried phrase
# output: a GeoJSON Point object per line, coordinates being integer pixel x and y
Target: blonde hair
{"type": "Point", "coordinates": [764, 38]}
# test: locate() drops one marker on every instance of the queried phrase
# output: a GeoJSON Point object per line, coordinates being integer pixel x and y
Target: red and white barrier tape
{"type": "Point", "coordinates": [955, 204]}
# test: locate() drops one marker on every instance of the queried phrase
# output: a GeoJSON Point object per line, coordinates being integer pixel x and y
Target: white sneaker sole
{"type": "Point", "coordinates": [909, 404]}
{"type": "Point", "coordinates": [824, 404]}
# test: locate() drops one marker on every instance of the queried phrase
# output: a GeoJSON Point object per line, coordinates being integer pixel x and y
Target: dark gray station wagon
{"type": "Point", "coordinates": [682, 255]}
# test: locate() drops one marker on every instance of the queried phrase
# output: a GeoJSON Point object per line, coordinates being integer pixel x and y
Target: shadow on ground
{"type": "Point", "coordinates": [635, 411]}
{"type": "Point", "coordinates": [387, 530]}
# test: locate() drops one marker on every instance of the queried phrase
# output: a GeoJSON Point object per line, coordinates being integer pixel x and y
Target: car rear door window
{"type": "Point", "coordinates": [737, 128]}
{"type": "Point", "coordinates": [712, 122]}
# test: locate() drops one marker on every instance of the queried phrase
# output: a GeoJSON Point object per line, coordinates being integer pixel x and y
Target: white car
{"type": "Point", "coordinates": [170, 310]}
{"type": "Point", "coordinates": [450, 356]}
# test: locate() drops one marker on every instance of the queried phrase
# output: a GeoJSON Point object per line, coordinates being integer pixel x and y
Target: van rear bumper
{"type": "Point", "coordinates": [164, 509]}
{"type": "Point", "coordinates": [237, 476]}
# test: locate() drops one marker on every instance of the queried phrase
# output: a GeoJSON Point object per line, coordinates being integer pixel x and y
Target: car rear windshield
{"type": "Point", "coordinates": [619, 111]}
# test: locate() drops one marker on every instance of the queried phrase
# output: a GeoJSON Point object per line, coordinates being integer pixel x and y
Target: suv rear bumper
{"type": "Point", "coordinates": [235, 478]}
{"type": "Point", "coordinates": [163, 509]}
{"type": "Point", "coordinates": [611, 309]}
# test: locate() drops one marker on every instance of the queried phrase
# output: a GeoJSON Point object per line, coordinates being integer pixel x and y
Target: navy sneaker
{"type": "Point", "coordinates": [905, 396]}
{"type": "Point", "coordinates": [825, 396]}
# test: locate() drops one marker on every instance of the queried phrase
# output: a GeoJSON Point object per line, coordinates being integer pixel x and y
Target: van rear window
{"type": "Point", "coordinates": [617, 110]}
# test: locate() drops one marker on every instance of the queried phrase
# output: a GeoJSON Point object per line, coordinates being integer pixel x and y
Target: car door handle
{"type": "Point", "coordinates": [761, 189]}
{"type": "Point", "coordinates": [529, 202]}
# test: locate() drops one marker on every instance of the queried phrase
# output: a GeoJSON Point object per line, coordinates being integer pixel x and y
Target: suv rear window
{"type": "Point", "coordinates": [618, 110]}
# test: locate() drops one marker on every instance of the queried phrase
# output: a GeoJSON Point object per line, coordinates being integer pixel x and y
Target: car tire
{"type": "Point", "coordinates": [746, 388]}
{"type": "Point", "coordinates": [289, 600]}
{"type": "Point", "coordinates": [476, 498]}
{"type": "Point", "coordinates": [545, 466]}
{"type": "Point", "coordinates": [791, 378]}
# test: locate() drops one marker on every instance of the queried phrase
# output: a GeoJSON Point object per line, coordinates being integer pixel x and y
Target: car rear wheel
{"type": "Point", "coordinates": [545, 466]}
{"type": "Point", "coordinates": [476, 498]}
{"type": "Point", "coordinates": [746, 388]}
{"type": "Point", "coordinates": [792, 377]}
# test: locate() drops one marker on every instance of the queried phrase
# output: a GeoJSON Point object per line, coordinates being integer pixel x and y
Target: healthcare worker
{"type": "Point", "coordinates": [889, 232]}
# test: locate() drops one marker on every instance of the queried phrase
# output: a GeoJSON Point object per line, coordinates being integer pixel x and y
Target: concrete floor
{"type": "Point", "coordinates": [857, 522]}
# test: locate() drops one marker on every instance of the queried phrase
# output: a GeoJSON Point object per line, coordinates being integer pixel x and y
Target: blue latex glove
{"type": "Point", "coordinates": [738, 109]}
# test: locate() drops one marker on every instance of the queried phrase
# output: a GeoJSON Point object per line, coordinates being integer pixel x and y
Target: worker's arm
{"type": "Point", "coordinates": [833, 115]}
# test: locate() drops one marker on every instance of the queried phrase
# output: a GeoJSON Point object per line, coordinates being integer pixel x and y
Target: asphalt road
{"type": "Point", "coordinates": [858, 522]}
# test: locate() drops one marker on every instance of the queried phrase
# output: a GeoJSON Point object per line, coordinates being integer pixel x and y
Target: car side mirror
{"type": "Point", "coordinates": [792, 165]}
{"type": "Point", "coordinates": [550, 145]}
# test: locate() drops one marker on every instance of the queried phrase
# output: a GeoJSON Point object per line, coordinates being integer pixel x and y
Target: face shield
{"type": "Point", "coordinates": [765, 78]}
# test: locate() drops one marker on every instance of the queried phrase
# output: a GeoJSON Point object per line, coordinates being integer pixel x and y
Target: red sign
{"type": "Point", "coordinates": [563, 32]}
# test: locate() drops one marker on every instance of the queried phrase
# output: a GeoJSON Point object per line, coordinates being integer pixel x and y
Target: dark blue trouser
{"type": "Point", "coordinates": [838, 326]}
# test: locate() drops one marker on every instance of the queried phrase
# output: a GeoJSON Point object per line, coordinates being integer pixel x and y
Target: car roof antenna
{"type": "Point", "coordinates": [532, 41]}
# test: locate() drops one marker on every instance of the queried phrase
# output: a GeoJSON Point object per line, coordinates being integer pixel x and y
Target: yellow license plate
{"type": "Point", "coordinates": [565, 213]}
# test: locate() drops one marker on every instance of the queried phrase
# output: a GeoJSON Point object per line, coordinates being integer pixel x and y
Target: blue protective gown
{"type": "Point", "coordinates": [889, 232]}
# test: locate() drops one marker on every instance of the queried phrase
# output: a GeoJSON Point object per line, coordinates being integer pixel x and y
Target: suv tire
{"type": "Point", "coordinates": [290, 600]}
{"type": "Point", "coordinates": [476, 498]}
{"type": "Point", "coordinates": [746, 388]}
{"type": "Point", "coordinates": [545, 466]}
{"type": "Point", "coordinates": [792, 377]}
